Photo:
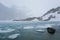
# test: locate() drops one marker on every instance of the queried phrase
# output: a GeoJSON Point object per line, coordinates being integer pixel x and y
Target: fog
{"type": "Point", "coordinates": [18, 9]}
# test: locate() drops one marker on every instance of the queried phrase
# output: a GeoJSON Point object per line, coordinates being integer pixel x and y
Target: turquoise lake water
{"type": "Point", "coordinates": [32, 30]}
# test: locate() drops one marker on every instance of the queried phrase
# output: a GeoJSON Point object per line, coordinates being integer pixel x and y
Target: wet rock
{"type": "Point", "coordinates": [51, 30]}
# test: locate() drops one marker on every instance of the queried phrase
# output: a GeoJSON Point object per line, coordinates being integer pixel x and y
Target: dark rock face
{"type": "Point", "coordinates": [51, 30]}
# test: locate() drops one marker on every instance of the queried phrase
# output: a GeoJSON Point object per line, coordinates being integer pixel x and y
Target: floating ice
{"type": "Point", "coordinates": [40, 30]}
{"type": "Point", "coordinates": [8, 30]}
{"type": "Point", "coordinates": [44, 26]}
{"type": "Point", "coordinates": [13, 36]}
{"type": "Point", "coordinates": [29, 27]}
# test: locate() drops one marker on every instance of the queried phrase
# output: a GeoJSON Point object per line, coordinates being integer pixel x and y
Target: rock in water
{"type": "Point", "coordinates": [51, 30]}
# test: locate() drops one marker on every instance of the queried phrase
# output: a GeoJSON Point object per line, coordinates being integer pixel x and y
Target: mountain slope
{"type": "Point", "coordinates": [51, 15]}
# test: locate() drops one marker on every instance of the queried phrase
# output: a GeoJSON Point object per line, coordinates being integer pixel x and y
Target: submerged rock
{"type": "Point", "coordinates": [51, 30]}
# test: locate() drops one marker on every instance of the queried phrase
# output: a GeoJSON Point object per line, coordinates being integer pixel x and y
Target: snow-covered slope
{"type": "Point", "coordinates": [51, 15]}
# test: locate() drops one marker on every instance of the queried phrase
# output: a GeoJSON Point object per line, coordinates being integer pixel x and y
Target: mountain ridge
{"type": "Point", "coordinates": [51, 11]}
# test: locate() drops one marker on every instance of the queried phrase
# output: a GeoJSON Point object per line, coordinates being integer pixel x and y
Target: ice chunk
{"type": "Point", "coordinates": [13, 36]}
{"type": "Point", "coordinates": [40, 30]}
{"type": "Point", "coordinates": [29, 27]}
{"type": "Point", "coordinates": [44, 26]}
{"type": "Point", "coordinates": [8, 30]}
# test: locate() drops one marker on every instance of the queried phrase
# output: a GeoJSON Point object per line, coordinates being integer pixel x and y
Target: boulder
{"type": "Point", "coordinates": [51, 30]}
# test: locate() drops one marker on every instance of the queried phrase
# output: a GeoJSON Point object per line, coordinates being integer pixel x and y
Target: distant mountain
{"type": "Point", "coordinates": [49, 18]}
{"type": "Point", "coordinates": [50, 15]}
{"type": "Point", "coordinates": [27, 19]}
{"type": "Point", "coordinates": [53, 10]}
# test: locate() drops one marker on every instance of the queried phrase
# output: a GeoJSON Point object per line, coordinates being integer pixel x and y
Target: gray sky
{"type": "Point", "coordinates": [29, 8]}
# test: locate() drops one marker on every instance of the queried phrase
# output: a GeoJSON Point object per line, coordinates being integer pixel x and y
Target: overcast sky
{"type": "Point", "coordinates": [29, 8]}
